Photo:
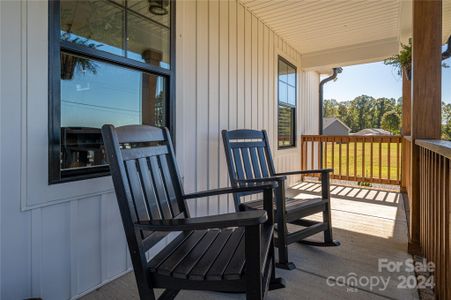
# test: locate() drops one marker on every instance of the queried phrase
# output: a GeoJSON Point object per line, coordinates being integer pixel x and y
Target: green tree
{"type": "Point", "coordinates": [391, 122]}
{"type": "Point", "coordinates": [446, 121]}
{"type": "Point", "coordinates": [360, 111]}
{"type": "Point", "coordinates": [330, 108]}
{"type": "Point", "coordinates": [380, 107]}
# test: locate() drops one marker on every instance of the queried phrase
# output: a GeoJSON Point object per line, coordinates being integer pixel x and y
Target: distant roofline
{"type": "Point", "coordinates": [336, 119]}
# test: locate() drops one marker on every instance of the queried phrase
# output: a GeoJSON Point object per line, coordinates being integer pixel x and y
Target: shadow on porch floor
{"type": "Point", "coordinates": [370, 224]}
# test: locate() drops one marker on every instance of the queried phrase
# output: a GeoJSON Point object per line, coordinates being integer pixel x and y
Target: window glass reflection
{"type": "Point", "coordinates": [126, 28]}
{"type": "Point", "coordinates": [285, 129]}
{"type": "Point", "coordinates": [98, 24]}
{"type": "Point", "coordinates": [148, 41]}
{"type": "Point", "coordinates": [98, 93]}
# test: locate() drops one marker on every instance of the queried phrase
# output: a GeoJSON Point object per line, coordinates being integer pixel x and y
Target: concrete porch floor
{"type": "Point", "coordinates": [370, 224]}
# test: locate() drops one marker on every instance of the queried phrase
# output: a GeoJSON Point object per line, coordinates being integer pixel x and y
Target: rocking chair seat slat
{"type": "Point", "coordinates": [167, 251]}
{"type": "Point", "coordinates": [192, 258]}
{"type": "Point", "coordinates": [236, 265]}
{"type": "Point", "coordinates": [218, 268]}
{"type": "Point", "coordinates": [204, 264]}
{"type": "Point", "coordinates": [185, 256]}
{"type": "Point", "coordinates": [292, 205]}
{"type": "Point", "coordinates": [169, 265]}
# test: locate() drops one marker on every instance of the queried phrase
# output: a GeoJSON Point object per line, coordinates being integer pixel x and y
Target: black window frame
{"type": "Point", "coordinates": [56, 45]}
{"type": "Point", "coordinates": [287, 105]}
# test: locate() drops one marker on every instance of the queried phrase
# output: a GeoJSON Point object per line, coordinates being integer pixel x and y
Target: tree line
{"type": "Point", "coordinates": [369, 112]}
{"type": "Point", "coordinates": [366, 112]}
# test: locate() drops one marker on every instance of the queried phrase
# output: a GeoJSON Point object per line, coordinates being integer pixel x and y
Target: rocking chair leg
{"type": "Point", "coordinates": [328, 237]}
{"type": "Point", "coordinates": [254, 287]}
{"type": "Point", "coordinates": [275, 283]}
{"type": "Point", "coordinates": [327, 214]}
{"type": "Point", "coordinates": [282, 231]}
{"type": "Point", "coordinates": [282, 248]}
{"type": "Point", "coordinates": [168, 294]}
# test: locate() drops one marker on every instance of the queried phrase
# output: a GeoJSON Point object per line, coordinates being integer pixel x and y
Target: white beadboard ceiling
{"type": "Point", "coordinates": [312, 26]}
{"type": "Point", "coordinates": [341, 32]}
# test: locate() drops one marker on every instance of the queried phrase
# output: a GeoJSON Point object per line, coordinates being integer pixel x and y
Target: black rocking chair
{"type": "Point", "coordinates": [232, 252]}
{"type": "Point", "coordinates": [249, 160]}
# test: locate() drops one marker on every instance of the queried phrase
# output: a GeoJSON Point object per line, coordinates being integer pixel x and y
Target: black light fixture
{"type": "Point", "coordinates": [158, 7]}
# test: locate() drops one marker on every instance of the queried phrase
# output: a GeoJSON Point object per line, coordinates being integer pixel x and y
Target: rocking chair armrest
{"type": "Point", "coordinates": [281, 178]}
{"type": "Point", "coordinates": [240, 219]}
{"type": "Point", "coordinates": [251, 187]}
{"type": "Point", "coordinates": [322, 171]}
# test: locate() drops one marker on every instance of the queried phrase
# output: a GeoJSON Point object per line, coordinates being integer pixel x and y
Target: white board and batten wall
{"type": "Point", "coordinates": [228, 61]}
{"type": "Point", "coordinates": [61, 241]}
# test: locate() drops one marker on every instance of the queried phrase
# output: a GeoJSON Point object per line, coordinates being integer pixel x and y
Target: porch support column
{"type": "Point", "coordinates": [406, 128]}
{"type": "Point", "coordinates": [426, 95]}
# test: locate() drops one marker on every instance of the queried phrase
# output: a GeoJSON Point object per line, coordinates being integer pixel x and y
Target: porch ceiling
{"type": "Point", "coordinates": [338, 33]}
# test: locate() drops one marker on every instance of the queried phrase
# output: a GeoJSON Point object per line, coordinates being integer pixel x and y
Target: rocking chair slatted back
{"type": "Point", "coordinates": [248, 156]}
{"type": "Point", "coordinates": [152, 190]}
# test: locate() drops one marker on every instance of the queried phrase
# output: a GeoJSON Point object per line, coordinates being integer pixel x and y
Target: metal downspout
{"type": "Point", "coordinates": [336, 71]}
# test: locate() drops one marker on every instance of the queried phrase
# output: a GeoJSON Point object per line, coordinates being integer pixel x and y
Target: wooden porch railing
{"type": "Point", "coordinates": [435, 210]}
{"type": "Point", "coordinates": [375, 159]}
{"type": "Point", "coordinates": [406, 185]}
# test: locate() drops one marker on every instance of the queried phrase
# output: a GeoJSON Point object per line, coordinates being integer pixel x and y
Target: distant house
{"type": "Point", "coordinates": [334, 126]}
{"type": "Point", "coordinates": [373, 131]}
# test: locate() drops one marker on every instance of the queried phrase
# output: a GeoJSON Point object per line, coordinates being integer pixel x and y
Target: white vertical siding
{"type": "Point", "coordinates": [226, 78]}
{"type": "Point", "coordinates": [227, 71]}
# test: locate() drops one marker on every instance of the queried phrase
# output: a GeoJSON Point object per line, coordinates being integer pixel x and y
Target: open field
{"type": "Point", "coordinates": [376, 160]}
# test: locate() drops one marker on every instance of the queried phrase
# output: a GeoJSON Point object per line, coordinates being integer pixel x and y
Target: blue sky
{"type": "Point", "coordinates": [376, 80]}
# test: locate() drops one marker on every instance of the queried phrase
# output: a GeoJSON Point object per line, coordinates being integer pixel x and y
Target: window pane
{"type": "Point", "coordinates": [100, 24]}
{"type": "Point", "coordinates": [291, 76]}
{"type": "Point", "coordinates": [283, 92]}
{"type": "Point", "coordinates": [148, 36]}
{"type": "Point", "coordinates": [291, 95]}
{"type": "Point", "coordinates": [96, 93]}
{"type": "Point", "coordinates": [97, 24]}
{"type": "Point", "coordinates": [283, 71]}
{"type": "Point", "coordinates": [286, 126]}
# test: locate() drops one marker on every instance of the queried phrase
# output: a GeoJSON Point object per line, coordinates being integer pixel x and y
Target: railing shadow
{"type": "Point", "coordinates": [361, 194]}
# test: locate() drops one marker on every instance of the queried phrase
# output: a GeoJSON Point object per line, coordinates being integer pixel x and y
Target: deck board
{"type": "Point", "coordinates": [370, 224]}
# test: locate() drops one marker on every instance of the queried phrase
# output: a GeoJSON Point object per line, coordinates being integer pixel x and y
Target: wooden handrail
{"type": "Point", "coordinates": [375, 159]}
{"type": "Point", "coordinates": [435, 210]}
{"type": "Point", "coordinates": [440, 147]}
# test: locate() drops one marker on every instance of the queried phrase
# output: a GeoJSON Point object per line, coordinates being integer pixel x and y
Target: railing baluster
{"type": "Point", "coordinates": [333, 156]}
{"type": "Point", "coordinates": [339, 158]}
{"type": "Point", "coordinates": [318, 153]}
{"type": "Point", "coordinates": [398, 159]}
{"type": "Point", "coordinates": [355, 159]}
{"type": "Point", "coordinates": [312, 155]}
{"type": "Point", "coordinates": [347, 159]}
{"type": "Point", "coordinates": [305, 153]}
{"type": "Point", "coordinates": [363, 159]}
{"type": "Point", "coordinates": [380, 160]}
{"type": "Point", "coordinates": [371, 157]}
{"type": "Point", "coordinates": [325, 154]}
{"type": "Point", "coordinates": [388, 159]}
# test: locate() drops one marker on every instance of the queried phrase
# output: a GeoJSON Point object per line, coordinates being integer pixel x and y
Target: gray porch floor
{"type": "Point", "coordinates": [370, 224]}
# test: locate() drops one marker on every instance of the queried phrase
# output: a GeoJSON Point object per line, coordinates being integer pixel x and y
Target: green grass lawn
{"type": "Point", "coordinates": [379, 170]}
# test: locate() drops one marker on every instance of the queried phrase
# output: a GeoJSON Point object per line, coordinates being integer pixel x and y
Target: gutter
{"type": "Point", "coordinates": [336, 71]}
